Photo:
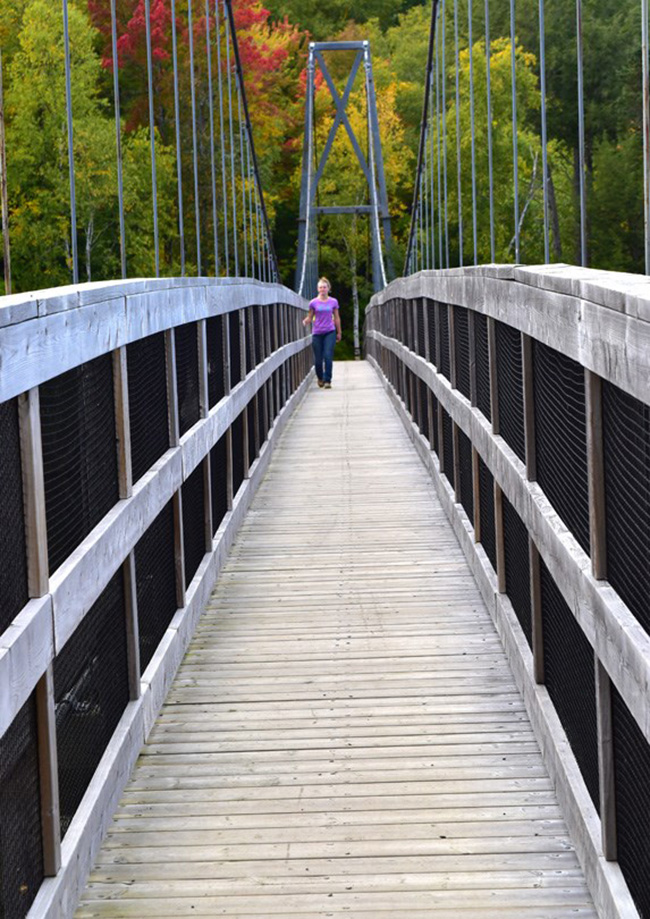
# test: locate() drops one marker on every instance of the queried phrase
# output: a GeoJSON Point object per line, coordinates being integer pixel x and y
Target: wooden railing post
{"type": "Point", "coordinates": [48, 773]}
{"type": "Point", "coordinates": [29, 415]}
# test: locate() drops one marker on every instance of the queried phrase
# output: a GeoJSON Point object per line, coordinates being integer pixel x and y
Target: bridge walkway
{"type": "Point", "coordinates": [344, 736]}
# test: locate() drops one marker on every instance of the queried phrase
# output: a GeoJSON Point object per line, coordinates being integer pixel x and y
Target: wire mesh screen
{"type": "Point", "coordinates": [447, 447]}
{"type": "Point", "coordinates": [91, 692]}
{"type": "Point", "coordinates": [482, 361]}
{"type": "Point", "coordinates": [421, 331]}
{"type": "Point", "coordinates": [252, 439]}
{"type": "Point", "coordinates": [510, 388]}
{"type": "Point", "coordinates": [21, 851]}
{"type": "Point", "coordinates": [561, 437]}
{"type": "Point", "coordinates": [155, 582]}
{"type": "Point", "coordinates": [216, 369]}
{"type": "Point", "coordinates": [434, 424]}
{"type": "Point", "coordinates": [219, 477]}
{"type": "Point", "coordinates": [13, 568]}
{"type": "Point", "coordinates": [79, 454]}
{"type": "Point", "coordinates": [235, 347]}
{"type": "Point", "coordinates": [486, 512]}
{"type": "Point", "coordinates": [262, 414]}
{"type": "Point", "coordinates": [424, 410]}
{"type": "Point", "coordinates": [515, 542]}
{"type": "Point", "coordinates": [430, 307]}
{"type": "Point", "coordinates": [626, 432]}
{"type": "Point", "coordinates": [193, 494]}
{"type": "Point", "coordinates": [271, 318]}
{"type": "Point", "coordinates": [187, 375]}
{"type": "Point", "coordinates": [259, 335]}
{"type": "Point", "coordinates": [632, 792]}
{"type": "Point", "coordinates": [237, 452]}
{"type": "Point", "coordinates": [466, 477]}
{"type": "Point", "coordinates": [445, 360]}
{"type": "Point", "coordinates": [148, 414]}
{"type": "Point", "coordinates": [461, 349]}
{"type": "Point", "coordinates": [570, 678]}
{"type": "Point", "coordinates": [249, 338]}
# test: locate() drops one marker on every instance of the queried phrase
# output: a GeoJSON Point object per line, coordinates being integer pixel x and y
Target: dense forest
{"type": "Point", "coordinates": [273, 39]}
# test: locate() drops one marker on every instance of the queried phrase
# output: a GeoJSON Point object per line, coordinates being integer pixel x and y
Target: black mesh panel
{"type": "Point", "coordinates": [510, 388]}
{"type": "Point", "coordinates": [79, 454]}
{"type": "Point", "coordinates": [13, 568]}
{"type": "Point", "coordinates": [626, 427]}
{"type": "Point", "coordinates": [570, 678]}
{"type": "Point", "coordinates": [448, 448]}
{"type": "Point", "coordinates": [216, 374]}
{"type": "Point", "coordinates": [193, 493]}
{"type": "Point", "coordinates": [632, 770]}
{"type": "Point", "coordinates": [486, 502]}
{"type": "Point", "coordinates": [252, 444]}
{"type": "Point", "coordinates": [431, 310]}
{"type": "Point", "coordinates": [91, 692]}
{"type": "Point", "coordinates": [148, 417]}
{"type": "Point", "coordinates": [515, 539]}
{"type": "Point", "coordinates": [482, 358]}
{"type": "Point", "coordinates": [187, 375]}
{"type": "Point", "coordinates": [445, 362]}
{"type": "Point", "coordinates": [21, 851]}
{"type": "Point", "coordinates": [424, 410]}
{"type": "Point", "coordinates": [420, 314]}
{"type": "Point", "coordinates": [561, 437]}
{"type": "Point", "coordinates": [461, 348]}
{"type": "Point", "coordinates": [235, 347]}
{"type": "Point", "coordinates": [466, 480]}
{"type": "Point", "coordinates": [237, 453]}
{"type": "Point", "coordinates": [250, 338]}
{"type": "Point", "coordinates": [156, 582]}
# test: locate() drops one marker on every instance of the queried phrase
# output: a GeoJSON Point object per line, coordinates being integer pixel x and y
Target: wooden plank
{"type": "Point", "coordinates": [48, 774]}
{"type": "Point", "coordinates": [344, 735]}
{"type": "Point", "coordinates": [31, 448]}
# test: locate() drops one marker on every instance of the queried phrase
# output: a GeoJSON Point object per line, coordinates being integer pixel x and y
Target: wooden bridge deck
{"type": "Point", "coordinates": [344, 736]}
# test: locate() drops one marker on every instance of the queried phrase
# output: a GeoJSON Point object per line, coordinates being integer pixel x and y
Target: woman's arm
{"type": "Point", "coordinates": [309, 318]}
{"type": "Point", "coordinates": [337, 323]}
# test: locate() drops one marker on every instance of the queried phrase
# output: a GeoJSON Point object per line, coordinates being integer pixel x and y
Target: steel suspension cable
{"type": "Point", "coordinates": [373, 183]}
{"type": "Point", "coordinates": [581, 136]}
{"type": "Point", "coordinates": [432, 171]}
{"type": "Point", "coordinates": [71, 173]}
{"type": "Point", "coordinates": [195, 159]}
{"type": "Point", "coordinates": [222, 137]}
{"type": "Point", "coordinates": [470, 16]}
{"type": "Point", "coordinates": [459, 177]}
{"type": "Point", "coordinates": [444, 133]}
{"type": "Point", "coordinates": [152, 137]}
{"type": "Point", "coordinates": [118, 139]}
{"type": "Point", "coordinates": [646, 132]}
{"type": "Point", "coordinates": [439, 159]}
{"type": "Point", "coordinates": [515, 142]}
{"type": "Point", "coordinates": [309, 128]}
{"type": "Point", "coordinates": [177, 127]}
{"type": "Point", "coordinates": [243, 178]}
{"type": "Point", "coordinates": [488, 64]}
{"type": "Point", "coordinates": [231, 145]}
{"type": "Point", "coordinates": [542, 80]}
{"type": "Point", "coordinates": [213, 178]}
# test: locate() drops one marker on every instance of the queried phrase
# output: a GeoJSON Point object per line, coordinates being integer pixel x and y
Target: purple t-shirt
{"type": "Point", "coordinates": [323, 314]}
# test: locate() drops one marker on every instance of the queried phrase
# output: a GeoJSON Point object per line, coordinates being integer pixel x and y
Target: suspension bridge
{"type": "Point", "coordinates": [267, 650]}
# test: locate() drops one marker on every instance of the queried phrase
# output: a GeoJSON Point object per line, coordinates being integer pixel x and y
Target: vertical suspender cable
{"type": "Point", "coordinates": [581, 137]}
{"type": "Point", "coordinates": [222, 137]}
{"type": "Point", "coordinates": [152, 139]}
{"type": "Point", "coordinates": [425, 202]}
{"type": "Point", "coordinates": [458, 151]}
{"type": "Point", "coordinates": [646, 132]}
{"type": "Point", "coordinates": [258, 227]}
{"type": "Point", "coordinates": [515, 143]}
{"type": "Point", "coordinates": [177, 126]}
{"type": "Point", "coordinates": [432, 185]}
{"type": "Point", "coordinates": [4, 200]}
{"type": "Point", "coordinates": [441, 260]}
{"type": "Point", "coordinates": [195, 156]}
{"type": "Point", "coordinates": [118, 138]}
{"type": "Point", "coordinates": [243, 179]}
{"type": "Point", "coordinates": [542, 80]}
{"type": "Point", "coordinates": [68, 106]}
{"type": "Point", "coordinates": [213, 178]}
{"type": "Point", "coordinates": [232, 146]}
{"type": "Point", "coordinates": [249, 186]}
{"type": "Point", "coordinates": [470, 16]}
{"type": "Point", "coordinates": [488, 61]}
{"type": "Point", "coordinates": [444, 136]}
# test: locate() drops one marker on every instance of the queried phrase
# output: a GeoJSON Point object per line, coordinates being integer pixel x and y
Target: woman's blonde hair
{"type": "Point", "coordinates": [329, 286]}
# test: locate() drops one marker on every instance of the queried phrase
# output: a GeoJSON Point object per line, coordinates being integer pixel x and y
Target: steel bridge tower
{"type": "Point", "coordinates": [312, 171]}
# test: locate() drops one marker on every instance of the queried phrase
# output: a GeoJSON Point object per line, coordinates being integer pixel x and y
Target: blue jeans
{"type": "Point", "coordinates": [323, 346]}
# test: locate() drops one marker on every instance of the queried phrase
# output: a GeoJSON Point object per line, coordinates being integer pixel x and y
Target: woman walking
{"type": "Point", "coordinates": [324, 313]}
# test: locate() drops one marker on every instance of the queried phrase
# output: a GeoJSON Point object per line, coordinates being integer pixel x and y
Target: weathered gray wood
{"type": "Point", "coordinates": [596, 472]}
{"type": "Point", "coordinates": [606, 762]}
{"type": "Point", "coordinates": [122, 423]}
{"type": "Point", "coordinates": [31, 449]}
{"type": "Point", "coordinates": [132, 625]}
{"type": "Point", "coordinates": [48, 773]}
